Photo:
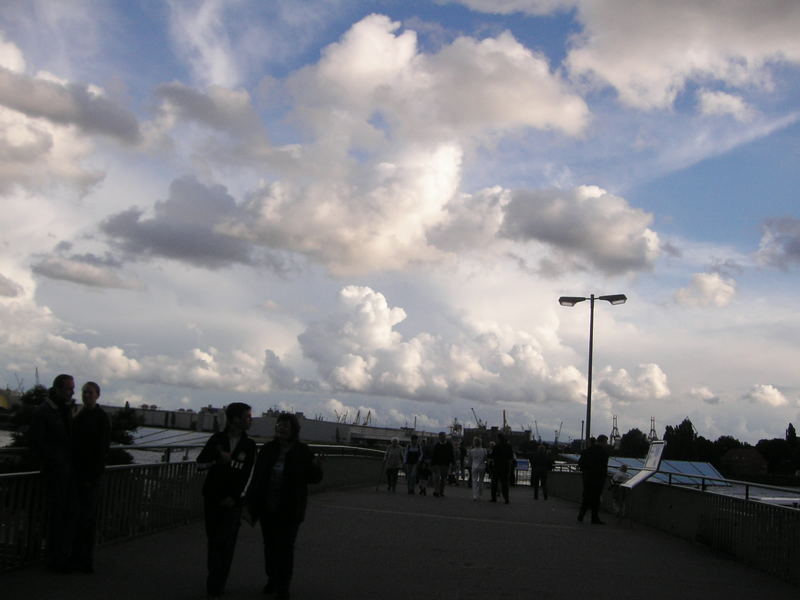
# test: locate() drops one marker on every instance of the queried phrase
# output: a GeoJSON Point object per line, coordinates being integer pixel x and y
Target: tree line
{"type": "Point", "coordinates": [782, 454]}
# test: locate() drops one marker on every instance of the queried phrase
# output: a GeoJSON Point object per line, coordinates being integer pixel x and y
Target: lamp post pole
{"type": "Point", "coordinates": [589, 384]}
{"type": "Point", "coordinates": [572, 301]}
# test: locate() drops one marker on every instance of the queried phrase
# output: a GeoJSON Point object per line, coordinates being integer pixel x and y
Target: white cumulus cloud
{"type": "Point", "coordinates": [357, 349]}
{"type": "Point", "coordinates": [649, 50]}
{"type": "Point", "coordinates": [647, 383]}
{"type": "Point", "coordinates": [707, 289]}
{"type": "Point", "coordinates": [722, 103]}
{"type": "Point", "coordinates": [767, 395]}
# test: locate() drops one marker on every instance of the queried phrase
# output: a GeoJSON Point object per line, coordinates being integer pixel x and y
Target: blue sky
{"type": "Point", "coordinates": [335, 206]}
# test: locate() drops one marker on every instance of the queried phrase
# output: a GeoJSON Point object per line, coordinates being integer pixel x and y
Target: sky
{"type": "Point", "coordinates": [343, 207]}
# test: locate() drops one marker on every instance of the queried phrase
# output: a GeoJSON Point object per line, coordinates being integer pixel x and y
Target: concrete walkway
{"type": "Point", "coordinates": [363, 544]}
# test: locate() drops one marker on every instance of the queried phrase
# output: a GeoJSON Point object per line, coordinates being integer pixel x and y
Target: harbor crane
{"type": "Point", "coordinates": [478, 423]}
{"type": "Point", "coordinates": [558, 434]}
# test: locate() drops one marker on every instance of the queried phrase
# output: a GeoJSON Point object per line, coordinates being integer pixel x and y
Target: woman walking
{"type": "Point", "coordinates": [477, 460]}
{"type": "Point", "coordinates": [392, 461]}
{"type": "Point", "coordinates": [278, 496]}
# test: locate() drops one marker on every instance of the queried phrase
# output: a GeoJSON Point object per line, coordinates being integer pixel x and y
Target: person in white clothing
{"type": "Point", "coordinates": [477, 460]}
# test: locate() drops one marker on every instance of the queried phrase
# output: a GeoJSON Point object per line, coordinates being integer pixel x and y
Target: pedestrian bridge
{"type": "Point", "coordinates": [361, 543]}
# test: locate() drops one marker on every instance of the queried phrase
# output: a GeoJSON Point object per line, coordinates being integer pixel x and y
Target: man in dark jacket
{"type": "Point", "coordinates": [594, 467]}
{"type": "Point", "coordinates": [91, 432]}
{"type": "Point", "coordinates": [541, 465]}
{"type": "Point", "coordinates": [502, 458]}
{"type": "Point", "coordinates": [442, 459]}
{"type": "Point", "coordinates": [277, 497]}
{"type": "Point", "coordinates": [229, 456]}
{"type": "Point", "coordinates": [51, 441]}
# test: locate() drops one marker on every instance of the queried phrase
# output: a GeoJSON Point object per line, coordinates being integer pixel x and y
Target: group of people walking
{"type": "Point", "coordinates": [420, 462]}
{"type": "Point", "coordinates": [441, 461]}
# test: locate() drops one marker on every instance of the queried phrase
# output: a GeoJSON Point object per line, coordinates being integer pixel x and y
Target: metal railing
{"type": "Point", "coordinates": [758, 532]}
{"type": "Point", "coordinates": [766, 536]}
{"type": "Point", "coordinates": [137, 499]}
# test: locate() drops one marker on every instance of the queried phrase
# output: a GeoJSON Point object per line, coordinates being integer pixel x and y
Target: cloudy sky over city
{"type": "Point", "coordinates": [342, 207]}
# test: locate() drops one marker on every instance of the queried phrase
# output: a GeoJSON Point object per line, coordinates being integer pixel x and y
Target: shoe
{"type": "Point", "coordinates": [269, 588]}
{"type": "Point", "coordinates": [598, 522]}
{"type": "Point", "coordinates": [493, 500]}
{"type": "Point", "coordinates": [580, 518]}
{"type": "Point", "coordinates": [435, 494]}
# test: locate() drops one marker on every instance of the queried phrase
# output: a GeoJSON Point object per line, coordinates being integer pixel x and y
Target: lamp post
{"type": "Point", "coordinates": [572, 301]}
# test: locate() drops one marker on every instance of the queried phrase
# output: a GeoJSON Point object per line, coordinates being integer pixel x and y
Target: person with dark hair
{"type": "Point", "coordinates": [593, 464]}
{"type": "Point", "coordinates": [277, 497]}
{"type": "Point", "coordinates": [91, 435]}
{"type": "Point", "coordinates": [541, 465]}
{"type": "Point", "coordinates": [502, 458]}
{"type": "Point", "coordinates": [51, 442]}
{"type": "Point", "coordinates": [228, 456]}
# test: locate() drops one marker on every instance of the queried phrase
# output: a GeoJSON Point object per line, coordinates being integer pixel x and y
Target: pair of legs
{"type": "Point", "coordinates": [592, 489]}
{"type": "Point", "coordinates": [477, 482]}
{"type": "Point", "coordinates": [439, 478]}
{"type": "Point", "coordinates": [279, 535]}
{"type": "Point", "coordinates": [500, 478]}
{"type": "Point", "coordinates": [423, 476]}
{"type": "Point", "coordinates": [88, 498]}
{"type": "Point", "coordinates": [538, 479]}
{"type": "Point", "coordinates": [61, 518]}
{"type": "Point", "coordinates": [391, 478]}
{"type": "Point", "coordinates": [411, 477]}
{"type": "Point", "coordinates": [222, 529]}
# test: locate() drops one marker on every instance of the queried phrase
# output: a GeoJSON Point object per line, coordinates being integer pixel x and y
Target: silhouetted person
{"type": "Point", "coordinates": [91, 436]}
{"type": "Point", "coordinates": [392, 461]}
{"type": "Point", "coordinates": [424, 470]}
{"type": "Point", "coordinates": [229, 456]}
{"type": "Point", "coordinates": [51, 441]}
{"type": "Point", "coordinates": [594, 467]}
{"type": "Point", "coordinates": [278, 496]}
{"type": "Point", "coordinates": [502, 459]}
{"type": "Point", "coordinates": [541, 465]}
{"type": "Point", "coordinates": [412, 457]}
{"type": "Point", "coordinates": [442, 459]}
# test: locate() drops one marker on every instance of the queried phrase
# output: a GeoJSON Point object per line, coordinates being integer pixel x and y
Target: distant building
{"type": "Point", "coordinates": [741, 462]}
{"type": "Point", "coordinates": [9, 399]}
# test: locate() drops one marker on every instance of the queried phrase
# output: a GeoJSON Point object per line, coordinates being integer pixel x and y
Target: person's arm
{"type": "Point", "coordinates": [209, 454]}
{"type": "Point", "coordinates": [250, 512]}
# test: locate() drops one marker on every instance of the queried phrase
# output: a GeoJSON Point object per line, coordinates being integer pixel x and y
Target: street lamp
{"type": "Point", "coordinates": [572, 301]}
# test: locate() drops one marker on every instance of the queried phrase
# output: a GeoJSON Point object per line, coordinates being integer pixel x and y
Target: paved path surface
{"type": "Point", "coordinates": [363, 544]}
